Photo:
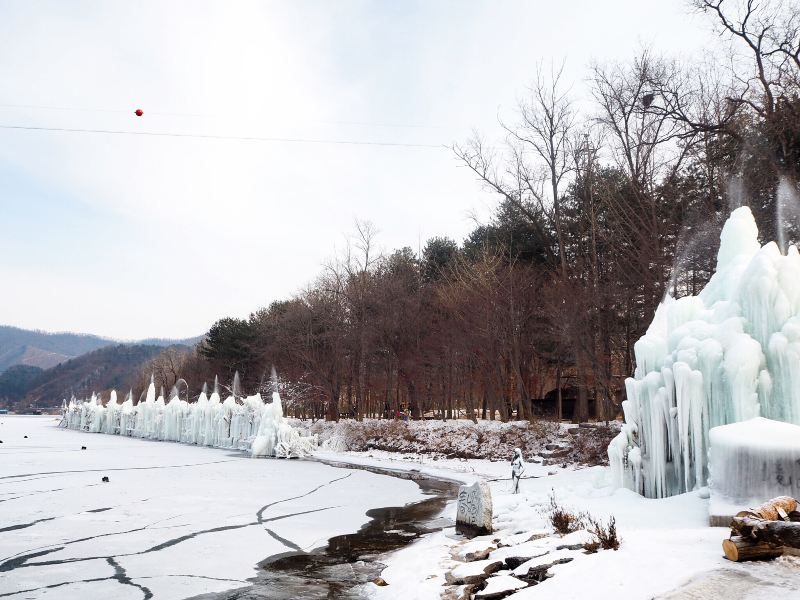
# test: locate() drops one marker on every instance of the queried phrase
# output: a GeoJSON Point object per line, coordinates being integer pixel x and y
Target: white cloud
{"type": "Point", "coordinates": [199, 229]}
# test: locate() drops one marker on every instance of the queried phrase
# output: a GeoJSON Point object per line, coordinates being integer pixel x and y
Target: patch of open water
{"type": "Point", "coordinates": [339, 569]}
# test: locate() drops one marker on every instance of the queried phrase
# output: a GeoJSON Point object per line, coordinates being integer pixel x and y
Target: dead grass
{"type": "Point", "coordinates": [591, 547]}
{"type": "Point", "coordinates": [606, 533]}
{"type": "Point", "coordinates": [563, 520]}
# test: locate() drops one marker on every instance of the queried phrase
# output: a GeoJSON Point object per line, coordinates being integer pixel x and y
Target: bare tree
{"type": "Point", "coordinates": [768, 31]}
{"type": "Point", "coordinates": [765, 38]}
{"type": "Point", "coordinates": [537, 161]}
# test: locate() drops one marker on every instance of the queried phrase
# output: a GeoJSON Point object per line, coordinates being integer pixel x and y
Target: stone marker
{"type": "Point", "coordinates": [474, 512]}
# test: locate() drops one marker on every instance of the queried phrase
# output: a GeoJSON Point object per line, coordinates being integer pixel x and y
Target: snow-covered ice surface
{"type": "Point", "coordinates": [729, 354]}
{"type": "Point", "coordinates": [667, 546]}
{"type": "Point", "coordinates": [173, 521]}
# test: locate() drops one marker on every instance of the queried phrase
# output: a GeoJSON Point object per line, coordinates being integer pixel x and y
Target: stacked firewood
{"type": "Point", "coordinates": [764, 532]}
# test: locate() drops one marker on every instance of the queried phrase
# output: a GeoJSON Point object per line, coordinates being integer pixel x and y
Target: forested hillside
{"type": "Point", "coordinates": [44, 350]}
{"type": "Point", "coordinates": [41, 349]}
{"type": "Point", "coordinates": [42, 368]}
{"type": "Point", "coordinates": [113, 367]}
{"type": "Point", "coordinates": [16, 381]}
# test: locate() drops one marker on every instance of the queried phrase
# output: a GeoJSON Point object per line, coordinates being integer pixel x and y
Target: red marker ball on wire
{"type": "Point", "coordinates": [138, 112]}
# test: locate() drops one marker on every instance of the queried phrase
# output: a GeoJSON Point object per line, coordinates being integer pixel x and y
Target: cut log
{"type": "Point", "coordinates": [778, 533]}
{"type": "Point", "coordinates": [739, 549]}
{"type": "Point", "coordinates": [773, 510]}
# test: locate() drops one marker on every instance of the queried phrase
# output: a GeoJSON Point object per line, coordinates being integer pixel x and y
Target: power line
{"type": "Point", "coordinates": [98, 110]}
{"type": "Point", "coordinates": [179, 114]}
{"type": "Point", "coordinates": [245, 138]}
{"type": "Point", "coordinates": [373, 124]}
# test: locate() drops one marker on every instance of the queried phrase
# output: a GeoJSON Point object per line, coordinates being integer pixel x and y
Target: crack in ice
{"type": "Point", "coordinates": [25, 525]}
{"type": "Point", "coordinates": [121, 575]}
{"type": "Point", "coordinates": [283, 540]}
{"type": "Point", "coordinates": [260, 513]}
{"type": "Point", "coordinates": [214, 462]}
{"type": "Point", "coordinates": [37, 492]}
{"type": "Point", "coordinates": [54, 585]}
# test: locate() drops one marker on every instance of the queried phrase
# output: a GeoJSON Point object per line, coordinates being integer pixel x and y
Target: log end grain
{"type": "Point", "coordinates": [738, 549]}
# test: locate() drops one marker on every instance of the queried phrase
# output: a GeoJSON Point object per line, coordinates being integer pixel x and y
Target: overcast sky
{"type": "Point", "coordinates": [139, 236]}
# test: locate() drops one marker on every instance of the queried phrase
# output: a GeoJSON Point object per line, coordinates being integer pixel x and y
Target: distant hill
{"type": "Point", "coordinates": [17, 380]}
{"type": "Point", "coordinates": [45, 350]}
{"type": "Point", "coordinates": [111, 367]}
{"type": "Point", "coordinates": [164, 342]}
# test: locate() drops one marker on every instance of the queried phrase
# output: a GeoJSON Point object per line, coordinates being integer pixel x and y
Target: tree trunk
{"type": "Point", "coordinates": [559, 399]}
{"type": "Point", "coordinates": [778, 533]}
{"type": "Point", "coordinates": [581, 412]}
{"type": "Point", "coordinates": [772, 510]}
{"type": "Point", "coordinates": [413, 401]}
{"type": "Point", "coordinates": [501, 403]}
{"type": "Point", "coordinates": [333, 406]}
{"type": "Point", "coordinates": [470, 399]}
{"type": "Point", "coordinates": [524, 392]}
{"type": "Point", "coordinates": [739, 549]}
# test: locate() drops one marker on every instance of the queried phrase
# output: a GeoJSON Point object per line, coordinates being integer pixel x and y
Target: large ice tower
{"type": "Point", "coordinates": [729, 354]}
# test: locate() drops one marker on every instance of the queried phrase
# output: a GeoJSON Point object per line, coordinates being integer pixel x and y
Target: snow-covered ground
{"type": "Point", "coordinates": [668, 550]}
{"type": "Point", "coordinates": [462, 439]}
{"type": "Point", "coordinates": [173, 520]}
{"type": "Point", "coordinates": [177, 520]}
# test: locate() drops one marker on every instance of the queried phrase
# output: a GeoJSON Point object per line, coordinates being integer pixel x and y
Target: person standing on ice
{"type": "Point", "coordinates": [517, 468]}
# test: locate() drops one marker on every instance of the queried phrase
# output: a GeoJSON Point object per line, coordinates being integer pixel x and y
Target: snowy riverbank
{"type": "Point", "coordinates": [555, 443]}
{"type": "Point", "coordinates": [667, 550]}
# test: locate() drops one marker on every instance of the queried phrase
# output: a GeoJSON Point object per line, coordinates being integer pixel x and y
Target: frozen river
{"type": "Point", "coordinates": [173, 521]}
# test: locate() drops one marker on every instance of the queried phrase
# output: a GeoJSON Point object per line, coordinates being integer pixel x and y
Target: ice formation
{"type": "Point", "coordinates": [755, 459]}
{"type": "Point", "coordinates": [729, 354]}
{"type": "Point", "coordinates": [240, 423]}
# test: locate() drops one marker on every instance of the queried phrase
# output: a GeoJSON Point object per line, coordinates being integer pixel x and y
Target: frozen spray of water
{"type": "Point", "coordinates": [182, 388]}
{"type": "Point", "coordinates": [274, 379]}
{"type": "Point", "coordinates": [236, 386]}
{"type": "Point", "coordinates": [735, 192]}
{"type": "Point", "coordinates": [787, 211]}
{"type": "Point", "coordinates": [694, 240]}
